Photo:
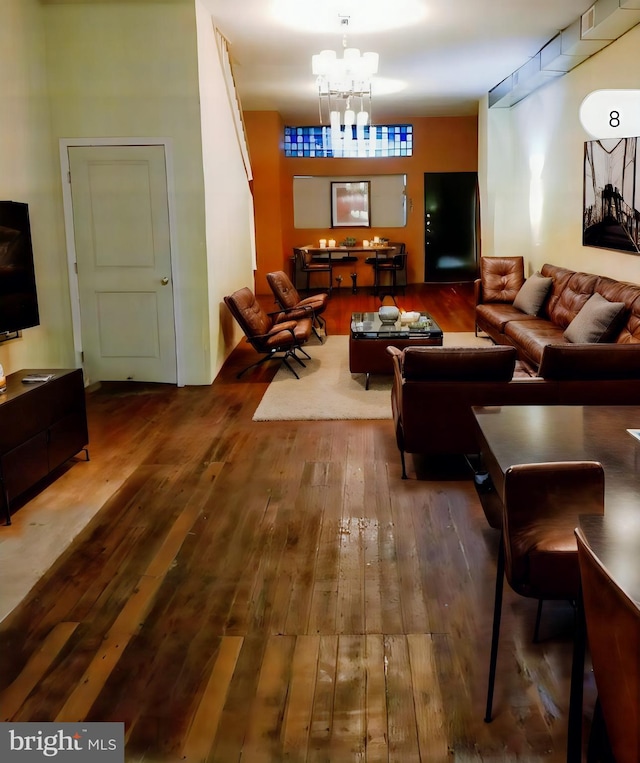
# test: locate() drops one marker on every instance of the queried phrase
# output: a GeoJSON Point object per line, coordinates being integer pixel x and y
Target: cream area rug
{"type": "Point", "coordinates": [328, 390]}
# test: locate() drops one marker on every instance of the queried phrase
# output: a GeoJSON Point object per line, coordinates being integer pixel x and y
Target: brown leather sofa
{"type": "Point", "coordinates": [532, 363]}
{"type": "Point", "coordinates": [503, 277]}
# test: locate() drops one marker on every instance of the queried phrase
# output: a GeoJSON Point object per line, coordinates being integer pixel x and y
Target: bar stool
{"type": "Point", "coordinates": [395, 265]}
{"type": "Point", "coordinates": [307, 265]}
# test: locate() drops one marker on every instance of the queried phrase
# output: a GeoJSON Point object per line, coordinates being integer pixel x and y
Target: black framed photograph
{"type": "Point", "coordinates": [350, 204]}
{"type": "Point", "coordinates": [611, 216]}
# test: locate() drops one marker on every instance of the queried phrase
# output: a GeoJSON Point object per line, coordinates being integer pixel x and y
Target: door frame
{"type": "Point", "coordinates": [67, 202]}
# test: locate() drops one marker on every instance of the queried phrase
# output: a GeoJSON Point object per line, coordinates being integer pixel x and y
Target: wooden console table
{"type": "Point", "coordinates": [42, 425]}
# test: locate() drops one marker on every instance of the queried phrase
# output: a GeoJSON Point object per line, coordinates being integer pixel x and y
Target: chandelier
{"type": "Point", "coordinates": [344, 85]}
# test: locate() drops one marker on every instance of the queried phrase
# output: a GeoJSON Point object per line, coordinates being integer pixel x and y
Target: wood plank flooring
{"type": "Point", "coordinates": [274, 591]}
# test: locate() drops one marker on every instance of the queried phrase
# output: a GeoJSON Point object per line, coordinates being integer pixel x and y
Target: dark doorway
{"type": "Point", "coordinates": [451, 226]}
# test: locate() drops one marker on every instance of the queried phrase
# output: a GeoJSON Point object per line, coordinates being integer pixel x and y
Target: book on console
{"type": "Point", "coordinates": [35, 378]}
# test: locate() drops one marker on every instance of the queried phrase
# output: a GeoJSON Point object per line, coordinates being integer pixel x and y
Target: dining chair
{"type": "Point", "coordinates": [538, 552]}
{"type": "Point", "coordinates": [273, 335]}
{"type": "Point", "coordinates": [306, 264]}
{"type": "Point", "coordinates": [395, 265]}
{"type": "Point", "coordinates": [288, 298]}
{"type": "Point", "coordinates": [613, 632]}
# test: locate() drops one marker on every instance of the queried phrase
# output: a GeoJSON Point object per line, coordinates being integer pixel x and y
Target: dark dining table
{"type": "Point", "coordinates": [512, 435]}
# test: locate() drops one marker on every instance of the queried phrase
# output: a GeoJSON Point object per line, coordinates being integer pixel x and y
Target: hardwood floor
{"type": "Point", "coordinates": [274, 591]}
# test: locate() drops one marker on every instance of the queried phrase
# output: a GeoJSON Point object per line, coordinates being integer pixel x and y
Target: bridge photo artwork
{"type": "Point", "coordinates": [612, 195]}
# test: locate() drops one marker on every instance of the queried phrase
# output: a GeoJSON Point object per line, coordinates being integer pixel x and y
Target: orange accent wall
{"type": "Point", "coordinates": [440, 144]}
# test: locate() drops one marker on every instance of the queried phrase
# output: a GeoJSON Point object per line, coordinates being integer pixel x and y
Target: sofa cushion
{"type": "Point", "coordinates": [459, 363]}
{"type": "Point", "coordinates": [584, 362]}
{"type": "Point", "coordinates": [595, 322]}
{"type": "Point", "coordinates": [531, 337]}
{"type": "Point", "coordinates": [568, 295]}
{"type": "Point", "coordinates": [532, 294]}
{"type": "Point", "coordinates": [629, 293]}
{"type": "Point", "coordinates": [496, 316]}
{"type": "Point", "coordinates": [502, 277]}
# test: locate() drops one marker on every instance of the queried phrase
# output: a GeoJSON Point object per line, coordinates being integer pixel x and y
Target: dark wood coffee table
{"type": "Point", "coordinates": [369, 339]}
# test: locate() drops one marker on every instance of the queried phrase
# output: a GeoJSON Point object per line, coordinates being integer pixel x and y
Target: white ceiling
{"type": "Point", "coordinates": [440, 56]}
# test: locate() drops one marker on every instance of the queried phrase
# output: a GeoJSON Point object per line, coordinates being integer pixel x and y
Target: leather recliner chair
{"type": "Point", "coordinates": [275, 335]}
{"type": "Point", "coordinates": [288, 298]}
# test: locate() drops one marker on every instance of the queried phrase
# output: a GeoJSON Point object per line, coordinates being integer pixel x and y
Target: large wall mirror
{"type": "Point", "coordinates": [313, 196]}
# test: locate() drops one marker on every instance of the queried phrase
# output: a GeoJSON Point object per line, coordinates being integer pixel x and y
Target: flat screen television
{"type": "Point", "coordinates": [18, 296]}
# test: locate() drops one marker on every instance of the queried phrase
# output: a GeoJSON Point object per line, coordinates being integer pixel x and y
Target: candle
{"type": "Point", "coordinates": [376, 239]}
{"type": "Point", "coordinates": [323, 243]}
{"type": "Point", "coordinates": [365, 242]}
{"type": "Point", "coordinates": [332, 242]}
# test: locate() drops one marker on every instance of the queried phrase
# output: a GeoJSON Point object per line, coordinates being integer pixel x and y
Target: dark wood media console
{"type": "Point", "coordinates": [42, 425]}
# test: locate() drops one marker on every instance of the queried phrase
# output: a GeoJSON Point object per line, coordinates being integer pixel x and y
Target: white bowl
{"type": "Point", "coordinates": [411, 316]}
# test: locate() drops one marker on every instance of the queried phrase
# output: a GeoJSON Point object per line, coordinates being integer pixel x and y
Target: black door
{"type": "Point", "coordinates": [451, 236]}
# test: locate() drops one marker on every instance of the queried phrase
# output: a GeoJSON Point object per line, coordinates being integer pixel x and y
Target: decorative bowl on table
{"type": "Point", "coordinates": [408, 317]}
{"type": "Point", "coordinates": [388, 314]}
{"type": "Point", "coordinates": [423, 322]}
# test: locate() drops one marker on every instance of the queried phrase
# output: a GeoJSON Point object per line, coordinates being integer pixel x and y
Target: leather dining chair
{"type": "Point", "coordinates": [288, 298]}
{"type": "Point", "coordinates": [306, 264]}
{"type": "Point", "coordinates": [613, 633]}
{"type": "Point", "coordinates": [538, 553]}
{"type": "Point", "coordinates": [273, 335]}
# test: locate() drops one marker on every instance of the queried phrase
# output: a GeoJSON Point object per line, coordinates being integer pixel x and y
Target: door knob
{"type": "Point", "coordinates": [164, 281]}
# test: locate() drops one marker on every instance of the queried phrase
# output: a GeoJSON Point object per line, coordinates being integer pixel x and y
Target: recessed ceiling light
{"type": "Point", "coordinates": [364, 15]}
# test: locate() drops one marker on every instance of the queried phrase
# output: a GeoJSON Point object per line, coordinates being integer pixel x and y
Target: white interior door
{"type": "Point", "coordinates": [123, 254]}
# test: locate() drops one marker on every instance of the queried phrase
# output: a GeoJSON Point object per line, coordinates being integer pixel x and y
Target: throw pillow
{"type": "Point", "coordinates": [532, 294]}
{"type": "Point", "coordinates": [595, 320]}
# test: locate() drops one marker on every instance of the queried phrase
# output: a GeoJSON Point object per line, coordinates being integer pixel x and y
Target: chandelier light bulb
{"type": "Point", "coordinates": [341, 79]}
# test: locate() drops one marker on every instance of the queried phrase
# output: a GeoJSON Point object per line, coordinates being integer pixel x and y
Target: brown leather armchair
{"type": "Point", "coordinates": [287, 296]}
{"type": "Point", "coordinates": [613, 630]}
{"type": "Point", "coordinates": [538, 553]}
{"type": "Point", "coordinates": [434, 389]}
{"type": "Point", "coordinates": [274, 335]}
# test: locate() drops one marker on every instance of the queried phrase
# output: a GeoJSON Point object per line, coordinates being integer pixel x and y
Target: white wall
{"type": "Point", "coordinates": [228, 199]}
{"type": "Point", "coordinates": [532, 191]}
{"type": "Point", "coordinates": [132, 70]}
{"type": "Point", "coordinates": [29, 172]}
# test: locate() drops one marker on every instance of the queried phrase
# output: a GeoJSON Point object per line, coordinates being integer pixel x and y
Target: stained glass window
{"type": "Point", "coordinates": [354, 141]}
